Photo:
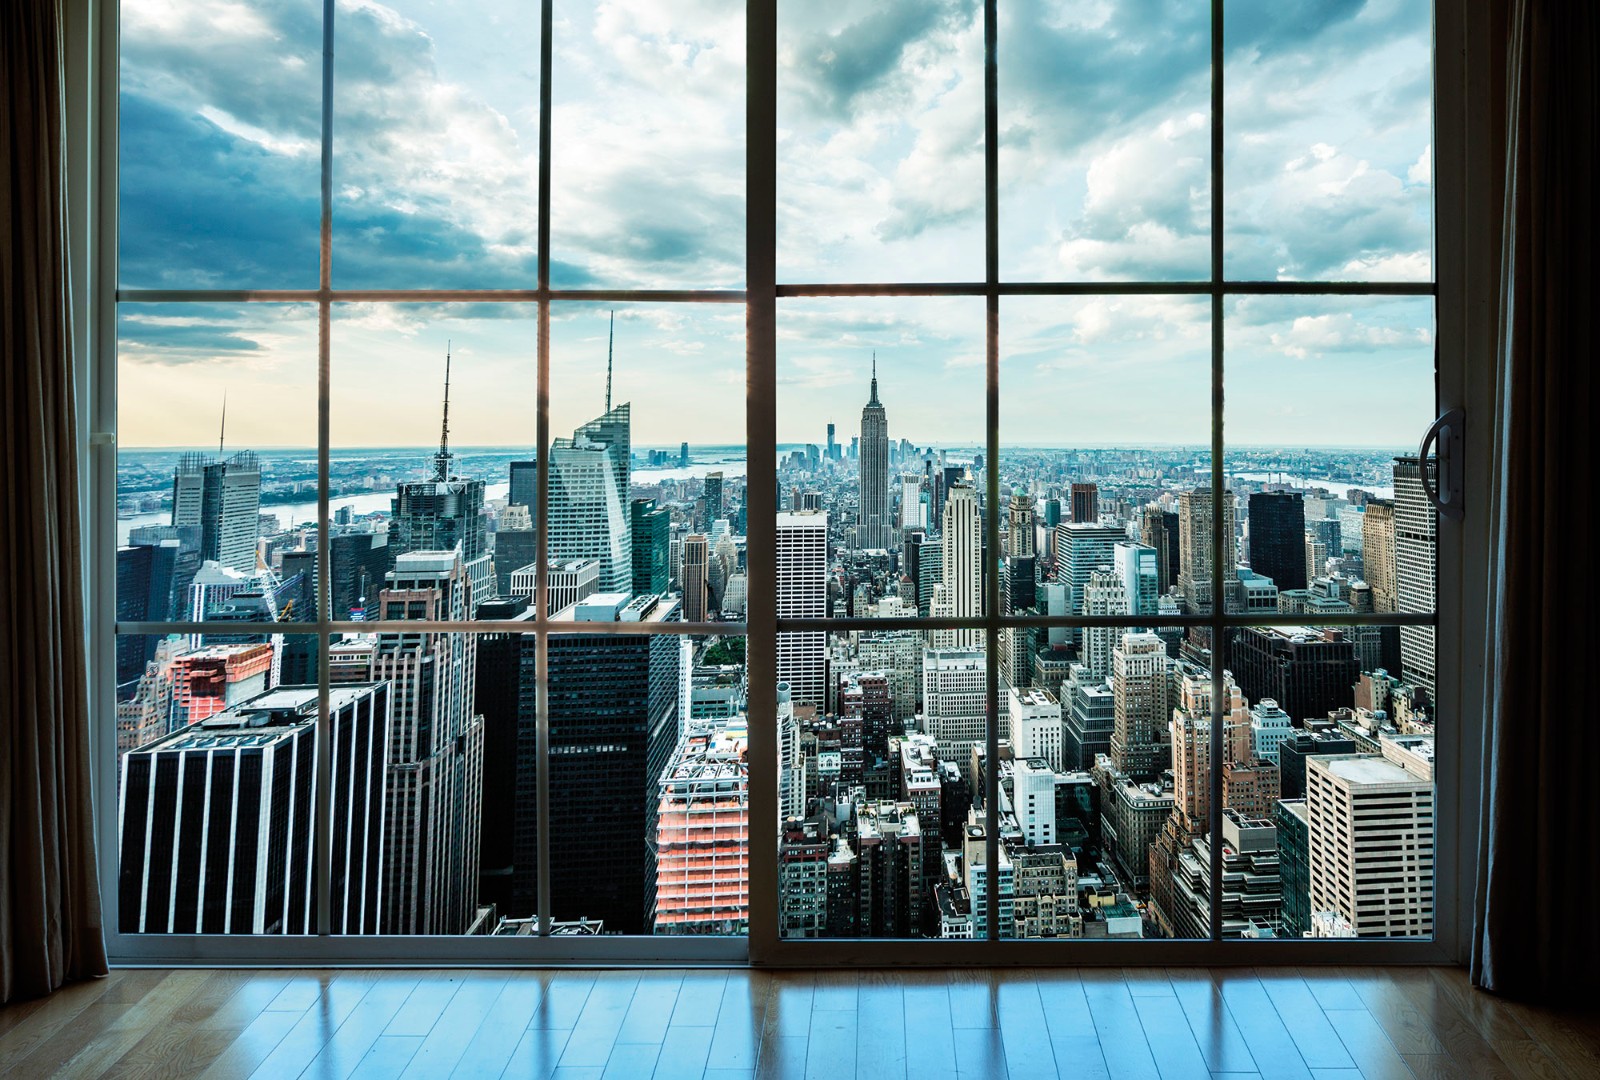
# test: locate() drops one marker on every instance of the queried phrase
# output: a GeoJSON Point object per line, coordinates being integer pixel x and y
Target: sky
{"type": "Point", "coordinates": [1104, 176]}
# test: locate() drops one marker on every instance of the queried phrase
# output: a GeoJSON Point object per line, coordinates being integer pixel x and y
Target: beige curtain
{"type": "Point", "coordinates": [49, 896]}
{"type": "Point", "coordinates": [1536, 934]}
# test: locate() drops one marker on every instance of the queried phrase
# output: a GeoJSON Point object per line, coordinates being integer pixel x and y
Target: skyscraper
{"type": "Point", "coordinates": [1104, 595]}
{"type": "Point", "coordinates": [702, 820]}
{"type": "Point", "coordinates": [959, 594]}
{"type": "Point", "coordinates": [1139, 668]}
{"type": "Point", "coordinates": [1086, 503]}
{"type": "Point", "coordinates": [1370, 838]}
{"type": "Point", "coordinates": [506, 668]}
{"type": "Point", "coordinates": [1194, 549]}
{"type": "Point", "coordinates": [875, 529]}
{"type": "Point", "coordinates": [614, 720]}
{"type": "Point", "coordinates": [1277, 527]}
{"type": "Point", "coordinates": [433, 810]}
{"type": "Point", "coordinates": [218, 819]}
{"type": "Point", "coordinates": [1307, 671]}
{"type": "Point", "coordinates": [589, 509]}
{"type": "Point", "coordinates": [1139, 568]}
{"type": "Point", "coordinates": [524, 488]}
{"type": "Point", "coordinates": [802, 566]}
{"type": "Point", "coordinates": [1159, 529]}
{"type": "Point", "coordinates": [713, 498]}
{"type": "Point", "coordinates": [1034, 725]}
{"type": "Point", "coordinates": [696, 577]}
{"type": "Point", "coordinates": [445, 512]}
{"type": "Point", "coordinates": [1377, 554]}
{"type": "Point", "coordinates": [953, 697]}
{"type": "Point", "coordinates": [1416, 564]}
{"type": "Point", "coordinates": [652, 532]}
{"type": "Point", "coordinates": [1019, 527]}
{"type": "Point", "coordinates": [222, 497]}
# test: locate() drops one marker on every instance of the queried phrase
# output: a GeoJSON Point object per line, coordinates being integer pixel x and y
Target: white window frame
{"type": "Point", "coordinates": [1467, 208]}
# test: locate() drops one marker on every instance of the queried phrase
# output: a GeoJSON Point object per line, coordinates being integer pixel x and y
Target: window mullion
{"type": "Point", "coordinates": [1221, 519]}
{"type": "Point", "coordinates": [542, 481]}
{"type": "Point", "coordinates": [323, 842]}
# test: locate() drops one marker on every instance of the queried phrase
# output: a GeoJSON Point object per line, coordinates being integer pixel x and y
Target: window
{"type": "Point", "coordinates": [934, 472]}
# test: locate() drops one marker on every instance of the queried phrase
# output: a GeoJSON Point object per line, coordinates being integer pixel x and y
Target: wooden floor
{"type": "Point", "coordinates": [725, 1025]}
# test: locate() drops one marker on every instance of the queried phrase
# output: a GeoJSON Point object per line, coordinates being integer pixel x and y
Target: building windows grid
{"type": "Point", "coordinates": [767, 632]}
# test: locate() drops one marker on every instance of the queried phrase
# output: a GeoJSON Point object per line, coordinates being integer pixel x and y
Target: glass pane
{"type": "Point", "coordinates": [880, 142]}
{"type": "Point", "coordinates": [395, 484]}
{"type": "Point", "coordinates": [902, 487]}
{"type": "Point", "coordinates": [647, 478]}
{"type": "Point", "coordinates": [219, 144]}
{"type": "Point", "coordinates": [647, 128]}
{"type": "Point", "coordinates": [207, 497]}
{"type": "Point", "coordinates": [647, 751]}
{"type": "Point", "coordinates": [507, 816]}
{"type": "Point", "coordinates": [436, 145]}
{"type": "Point", "coordinates": [1349, 739]}
{"type": "Point", "coordinates": [881, 790]}
{"type": "Point", "coordinates": [1326, 399]}
{"type": "Point", "coordinates": [1105, 141]}
{"type": "Point", "coordinates": [1328, 159]}
{"type": "Point", "coordinates": [441, 873]}
{"type": "Point", "coordinates": [1105, 455]}
{"type": "Point", "coordinates": [216, 743]}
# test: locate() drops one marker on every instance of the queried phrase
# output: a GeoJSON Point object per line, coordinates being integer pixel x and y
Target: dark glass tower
{"type": "Point", "coordinates": [652, 539]}
{"type": "Point", "coordinates": [614, 721]}
{"type": "Point", "coordinates": [1277, 537]}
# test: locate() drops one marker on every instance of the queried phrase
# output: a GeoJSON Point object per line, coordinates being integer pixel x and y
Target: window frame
{"type": "Point", "coordinates": [1466, 190]}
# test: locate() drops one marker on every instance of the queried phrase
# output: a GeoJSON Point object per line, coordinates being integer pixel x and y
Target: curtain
{"type": "Point", "coordinates": [1535, 929]}
{"type": "Point", "coordinates": [49, 896]}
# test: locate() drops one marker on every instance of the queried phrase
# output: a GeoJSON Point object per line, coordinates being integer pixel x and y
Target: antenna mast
{"type": "Point", "coordinates": [224, 430]}
{"type": "Point", "coordinates": [611, 337]}
{"type": "Point", "coordinates": [441, 460]}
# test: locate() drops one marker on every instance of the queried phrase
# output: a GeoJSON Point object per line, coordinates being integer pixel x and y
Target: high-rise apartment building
{"type": "Point", "coordinates": [702, 833]}
{"type": "Point", "coordinates": [1416, 555]}
{"type": "Point", "coordinates": [875, 528]}
{"type": "Point", "coordinates": [1370, 838]}
{"type": "Point", "coordinates": [1139, 667]}
{"type": "Point", "coordinates": [802, 571]}
{"type": "Point", "coordinates": [433, 809]}
{"type": "Point", "coordinates": [589, 509]}
{"type": "Point", "coordinates": [953, 702]}
{"type": "Point", "coordinates": [1195, 550]}
{"type": "Point", "coordinates": [218, 820]}
{"type": "Point", "coordinates": [222, 498]}
{"type": "Point", "coordinates": [1277, 529]}
{"type": "Point", "coordinates": [1377, 555]}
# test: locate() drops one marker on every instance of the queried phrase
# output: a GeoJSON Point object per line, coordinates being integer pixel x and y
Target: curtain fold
{"type": "Point", "coordinates": [1535, 931]}
{"type": "Point", "coordinates": [49, 897]}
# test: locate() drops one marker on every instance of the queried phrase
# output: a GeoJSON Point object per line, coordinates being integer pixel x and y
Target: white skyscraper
{"type": "Point", "coordinates": [960, 591]}
{"type": "Point", "coordinates": [875, 528]}
{"type": "Point", "coordinates": [1104, 594]}
{"type": "Point", "coordinates": [1370, 837]}
{"type": "Point", "coordinates": [953, 691]}
{"type": "Point", "coordinates": [1033, 800]}
{"type": "Point", "coordinates": [588, 513]}
{"type": "Point", "coordinates": [802, 553]}
{"type": "Point", "coordinates": [1033, 720]}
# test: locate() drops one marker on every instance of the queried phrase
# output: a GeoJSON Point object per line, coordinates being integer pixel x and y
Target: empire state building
{"type": "Point", "coordinates": [875, 528]}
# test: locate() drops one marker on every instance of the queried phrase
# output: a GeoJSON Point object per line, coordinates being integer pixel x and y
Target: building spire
{"type": "Point", "coordinates": [873, 400]}
{"type": "Point", "coordinates": [223, 431]}
{"type": "Point", "coordinates": [441, 460]}
{"type": "Point", "coordinates": [611, 337]}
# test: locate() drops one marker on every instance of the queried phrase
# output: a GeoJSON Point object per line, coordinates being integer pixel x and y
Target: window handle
{"type": "Point", "coordinates": [1447, 435]}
